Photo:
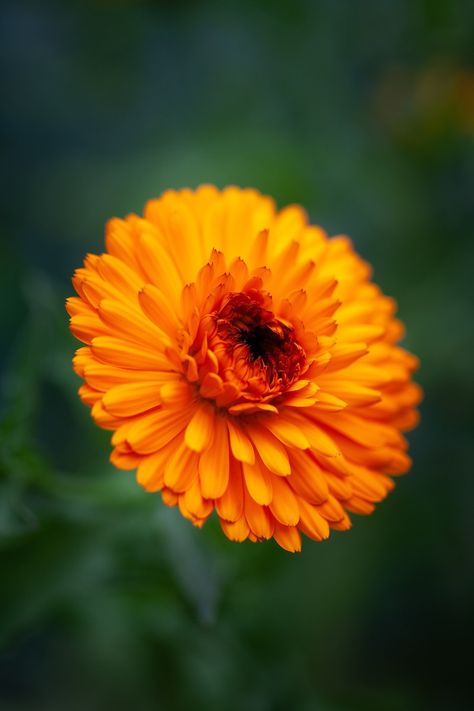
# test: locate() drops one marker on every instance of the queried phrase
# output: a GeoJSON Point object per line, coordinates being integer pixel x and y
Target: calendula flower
{"type": "Point", "coordinates": [246, 364]}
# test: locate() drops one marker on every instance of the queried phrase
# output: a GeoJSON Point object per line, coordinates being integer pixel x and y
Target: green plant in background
{"type": "Point", "coordinates": [365, 116]}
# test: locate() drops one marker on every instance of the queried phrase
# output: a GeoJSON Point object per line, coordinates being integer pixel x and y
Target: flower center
{"type": "Point", "coordinates": [256, 345]}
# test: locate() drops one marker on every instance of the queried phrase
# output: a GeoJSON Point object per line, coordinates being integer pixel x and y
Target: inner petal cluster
{"type": "Point", "coordinates": [256, 352]}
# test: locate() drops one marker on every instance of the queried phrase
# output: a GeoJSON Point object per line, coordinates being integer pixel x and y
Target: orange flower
{"type": "Point", "coordinates": [246, 363]}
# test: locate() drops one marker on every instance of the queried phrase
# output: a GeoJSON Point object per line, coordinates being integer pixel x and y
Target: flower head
{"type": "Point", "coordinates": [246, 363]}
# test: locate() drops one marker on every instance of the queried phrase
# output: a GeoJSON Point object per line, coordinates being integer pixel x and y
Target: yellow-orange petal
{"type": "Point", "coordinates": [259, 518]}
{"type": "Point", "coordinates": [287, 537]}
{"type": "Point", "coordinates": [125, 354]}
{"type": "Point", "coordinates": [212, 386]}
{"type": "Point", "coordinates": [131, 398]}
{"type": "Point", "coordinates": [131, 324]}
{"type": "Point", "coordinates": [359, 506]}
{"type": "Point", "coordinates": [200, 430]}
{"type": "Point", "coordinates": [151, 470]}
{"type": "Point", "coordinates": [117, 273]}
{"type": "Point", "coordinates": [87, 326]}
{"type": "Point", "coordinates": [214, 463]}
{"type": "Point", "coordinates": [354, 393]}
{"type": "Point", "coordinates": [307, 478]}
{"type": "Point", "coordinates": [153, 431]}
{"type": "Point", "coordinates": [236, 530]}
{"type": "Point", "coordinates": [156, 306]}
{"type": "Point", "coordinates": [104, 419]}
{"type": "Point", "coordinates": [230, 506]}
{"type": "Point", "coordinates": [177, 393]}
{"type": "Point", "coordinates": [168, 497]}
{"type": "Point", "coordinates": [287, 432]}
{"type": "Point", "coordinates": [124, 460]}
{"type": "Point", "coordinates": [89, 395]}
{"type": "Point", "coordinates": [195, 502]}
{"type": "Point", "coordinates": [329, 402]}
{"type": "Point", "coordinates": [317, 437]}
{"type": "Point", "coordinates": [159, 268]}
{"type": "Point", "coordinates": [181, 469]}
{"type": "Point", "coordinates": [343, 354]}
{"type": "Point", "coordinates": [272, 452]}
{"type": "Point", "coordinates": [311, 522]}
{"type": "Point", "coordinates": [339, 486]}
{"type": "Point", "coordinates": [331, 510]}
{"type": "Point", "coordinates": [120, 243]}
{"type": "Point", "coordinates": [258, 481]}
{"type": "Point", "coordinates": [103, 376]}
{"type": "Point", "coordinates": [240, 444]}
{"type": "Point", "coordinates": [284, 504]}
{"type": "Point", "coordinates": [355, 427]}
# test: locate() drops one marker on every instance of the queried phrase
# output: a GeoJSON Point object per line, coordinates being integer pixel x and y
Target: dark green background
{"type": "Point", "coordinates": [364, 113]}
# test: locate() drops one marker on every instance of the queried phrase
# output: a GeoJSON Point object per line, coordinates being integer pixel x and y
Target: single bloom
{"type": "Point", "coordinates": [246, 363]}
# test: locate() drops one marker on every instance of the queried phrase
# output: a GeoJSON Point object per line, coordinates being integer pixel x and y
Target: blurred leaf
{"type": "Point", "coordinates": [191, 562]}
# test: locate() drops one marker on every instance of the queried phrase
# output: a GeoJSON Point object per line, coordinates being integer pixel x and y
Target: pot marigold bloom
{"type": "Point", "coordinates": [245, 363]}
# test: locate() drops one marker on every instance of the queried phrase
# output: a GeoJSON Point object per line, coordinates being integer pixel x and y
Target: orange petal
{"type": "Point", "coordinates": [159, 267]}
{"type": "Point", "coordinates": [258, 481]}
{"type": "Point", "coordinates": [359, 506]}
{"type": "Point", "coordinates": [125, 460]}
{"type": "Point", "coordinates": [181, 469]}
{"type": "Point", "coordinates": [287, 432]}
{"type": "Point", "coordinates": [116, 272]}
{"type": "Point", "coordinates": [356, 428]}
{"type": "Point", "coordinates": [211, 386]}
{"type": "Point", "coordinates": [339, 486]}
{"type": "Point", "coordinates": [343, 525]}
{"type": "Point", "coordinates": [86, 327]}
{"type": "Point", "coordinates": [88, 395]}
{"type": "Point", "coordinates": [370, 486]}
{"type": "Point", "coordinates": [311, 522]}
{"type": "Point", "coordinates": [236, 530]}
{"type": "Point", "coordinates": [156, 306]}
{"type": "Point", "coordinates": [131, 398]}
{"type": "Point", "coordinates": [125, 354]}
{"type": "Point", "coordinates": [287, 537]}
{"type": "Point", "coordinates": [258, 517]}
{"type": "Point", "coordinates": [120, 242]}
{"type": "Point", "coordinates": [151, 469]}
{"type": "Point", "coordinates": [194, 501]}
{"type": "Point", "coordinates": [199, 432]}
{"type": "Point", "coordinates": [104, 377]}
{"type": "Point", "coordinates": [169, 497]}
{"type": "Point", "coordinates": [329, 402]}
{"type": "Point", "coordinates": [105, 419]}
{"type": "Point", "coordinates": [319, 440]}
{"type": "Point", "coordinates": [131, 324]}
{"type": "Point", "coordinates": [331, 510]}
{"type": "Point", "coordinates": [353, 393]}
{"type": "Point", "coordinates": [214, 463]}
{"type": "Point", "coordinates": [151, 432]}
{"type": "Point", "coordinates": [284, 505]}
{"type": "Point", "coordinates": [271, 450]}
{"type": "Point", "coordinates": [364, 332]}
{"type": "Point", "coordinates": [241, 446]}
{"type": "Point", "coordinates": [344, 354]}
{"type": "Point", "coordinates": [230, 506]}
{"type": "Point", "coordinates": [307, 478]}
{"type": "Point", "coordinates": [177, 393]}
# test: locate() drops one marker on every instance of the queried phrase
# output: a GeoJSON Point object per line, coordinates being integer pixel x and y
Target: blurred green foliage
{"type": "Point", "coordinates": [364, 113]}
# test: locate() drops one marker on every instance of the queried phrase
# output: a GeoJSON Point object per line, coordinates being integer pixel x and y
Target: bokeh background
{"type": "Point", "coordinates": [364, 113]}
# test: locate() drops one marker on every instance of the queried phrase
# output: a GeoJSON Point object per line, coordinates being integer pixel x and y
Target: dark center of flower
{"type": "Point", "coordinates": [262, 342]}
{"type": "Point", "coordinates": [258, 341]}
